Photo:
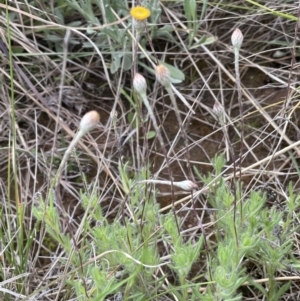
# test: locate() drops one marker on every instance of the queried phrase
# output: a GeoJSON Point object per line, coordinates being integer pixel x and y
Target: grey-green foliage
{"type": "Point", "coordinates": [258, 238]}
{"type": "Point", "coordinates": [123, 246]}
{"type": "Point", "coordinates": [183, 255]}
{"type": "Point", "coordinates": [128, 245]}
{"type": "Point", "coordinates": [112, 36]}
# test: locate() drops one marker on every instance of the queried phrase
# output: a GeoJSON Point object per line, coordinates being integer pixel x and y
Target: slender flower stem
{"type": "Point", "coordinates": [182, 129]}
{"type": "Point", "coordinates": [67, 153]}
{"type": "Point", "coordinates": [237, 40]}
{"type": "Point", "coordinates": [182, 99]}
{"type": "Point", "coordinates": [139, 16]}
{"type": "Point", "coordinates": [88, 123]}
{"type": "Point", "coordinates": [163, 76]}
{"type": "Point", "coordinates": [239, 90]}
{"type": "Point", "coordinates": [153, 119]}
{"type": "Point", "coordinates": [140, 85]}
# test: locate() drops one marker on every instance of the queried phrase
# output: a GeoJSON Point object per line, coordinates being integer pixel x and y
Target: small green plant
{"type": "Point", "coordinates": [122, 255]}
{"type": "Point", "coordinates": [258, 240]}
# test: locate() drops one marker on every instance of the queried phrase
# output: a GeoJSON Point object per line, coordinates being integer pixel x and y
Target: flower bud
{"type": "Point", "coordinates": [186, 185]}
{"type": "Point", "coordinates": [218, 109]}
{"type": "Point", "coordinates": [237, 38]}
{"type": "Point", "coordinates": [163, 75]}
{"type": "Point", "coordinates": [89, 121]}
{"type": "Point", "coordinates": [219, 112]}
{"type": "Point", "coordinates": [139, 83]}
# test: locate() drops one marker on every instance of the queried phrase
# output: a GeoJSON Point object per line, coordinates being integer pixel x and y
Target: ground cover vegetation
{"type": "Point", "coordinates": [149, 150]}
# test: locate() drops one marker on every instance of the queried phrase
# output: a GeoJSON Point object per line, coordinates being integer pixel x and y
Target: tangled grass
{"type": "Point", "coordinates": [124, 236]}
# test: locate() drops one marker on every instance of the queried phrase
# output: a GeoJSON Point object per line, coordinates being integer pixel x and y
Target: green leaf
{"type": "Point", "coordinates": [75, 24]}
{"type": "Point", "coordinates": [187, 10]}
{"type": "Point", "coordinates": [177, 76]}
{"type": "Point", "coordinates": [281, 291]}
{"type": "Point", "coordinates": [204, 41]}
{"type": "Point", "coordinates": [150, 135]}
{"type": "Point", "coordinates": [115, 65]}
{"type": "Point", "coordinates": [132, 119]}
{"type": "Point", "coordinates": [175, 73]}
{"type": "Point", "coordinates": [111, 33]}
{"type": "Point", "coordinates": [166, 32]}
{"type": "Point", "coordinates": [53, 38]}
{"type": "Point", "coordinates": [59, 16]}
{"type": "Point", "coordinates": [124, 178]}
{"type": "Point", "coordinates": [127, 61]}
{"type": "Point", "coordinates": [258, 286]}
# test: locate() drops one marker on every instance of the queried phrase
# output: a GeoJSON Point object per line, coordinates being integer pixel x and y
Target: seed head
{"type": "Point", "coordinates": [163, 75]}
{"type": "Point", "coordinates": [89, 121]}
{"type": "Point", "coordinates": [139, 83]}
{"type": "Point", "coordinates": [237, 38]}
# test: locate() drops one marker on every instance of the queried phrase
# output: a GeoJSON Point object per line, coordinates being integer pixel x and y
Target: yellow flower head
{"type": "Point", "coordinates": [140, 13]}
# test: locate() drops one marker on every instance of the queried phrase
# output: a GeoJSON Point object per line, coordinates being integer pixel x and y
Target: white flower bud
{"type": "Point", "coordinates": [163, 75]}
{"type": "Point", "coordinates": [219, 111]}
{"type": "Point", "coordinates": [186, 185]}
{"type": "Point", "coordinates": [139, 83]}
{"type": "Point", "coordinates": [89, 121]}
{"type": "Point", "coordinates": [237, 38]}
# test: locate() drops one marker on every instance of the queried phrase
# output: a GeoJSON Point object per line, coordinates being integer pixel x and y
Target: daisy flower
{"type": "Point", "coordinates": [140, 13]}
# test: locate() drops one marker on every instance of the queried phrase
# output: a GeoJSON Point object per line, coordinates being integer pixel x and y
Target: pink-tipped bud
{"type": "Point", "coordinates": [186, 185]}
{"type": "Point", "coordinates": [218, 109]}
{"type": "Point", "coordinates": [163, 75]}
{"type": "Point", "coordinates": [89, 121]}
{"type": "Point", "coordinates": [237, 38]}
{"type": "Point", "coordinates": [219, 112]}
{"type": "Point", "coordinates": [139, 83]}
